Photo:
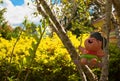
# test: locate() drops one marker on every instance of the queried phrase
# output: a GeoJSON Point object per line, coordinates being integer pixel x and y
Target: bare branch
{"type": "Point", "coordinates": [67, 43]}
{"type": "Point", "coordinates": [104, 71]}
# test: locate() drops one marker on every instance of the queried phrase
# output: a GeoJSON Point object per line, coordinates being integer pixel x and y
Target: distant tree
{"type": "Point", "coordinates": [2, 20]}
{"type": "Point", "coordinates": [5, 29]}
{"type": "Point", "coordinates": [29, 27]}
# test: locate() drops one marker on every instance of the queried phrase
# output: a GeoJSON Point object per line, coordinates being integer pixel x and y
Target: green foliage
{"type": "Point", "coordinates": [6, 31]}
{"type": "Point", "coordinates": [1, 1]}
{"type": "Point", "coordinates": [114, 64]}
{"type": "Point", "coordinates": [77, 18]}
{"type": "Point", "coordinates": [51, 62]}
{"type": "Point", "coordinates": [37, 59]}
{"type": "Point", "coordinates": [2, 20]}
{"type": "Point", "coordinates": [30, 27]}
{"type": "Point", "coordinates": [114, 71]}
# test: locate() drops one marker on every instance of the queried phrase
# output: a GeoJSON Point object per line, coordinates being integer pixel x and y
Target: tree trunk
{"type": "Point", "coordinates": [105, 60]}
{"type": "Point", "coordinates": [62, 35]}
{"type": "Point", "coordinates": [65, 40]}
{"type": "Point", "coordinates": [116, 4]}
{"type": "Point", "coordinates": [117, 31]}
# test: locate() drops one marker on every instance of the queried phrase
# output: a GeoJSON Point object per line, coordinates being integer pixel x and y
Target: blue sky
{"type": "Point", "coordinates": [21, 2]}
{"type": "Point", "coordinates": [17, 10]}
{"type": "Point", "coordinates": [56, 1]}
{"type": "Point", "coordinates": [17, 2]}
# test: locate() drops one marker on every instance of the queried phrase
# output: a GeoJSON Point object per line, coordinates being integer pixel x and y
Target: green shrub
{"type": "Point", "coordinates": [114, 63]}
{"type": "Point", "coordinates": [51, 61]}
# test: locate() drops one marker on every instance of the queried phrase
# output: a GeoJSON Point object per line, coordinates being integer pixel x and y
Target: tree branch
{"type": "Point", "coordinates": [116, 4]}
{"type": "Point", "coordinates": [104, 71]}
{"type": "Point", "coordinates": [65, 40]}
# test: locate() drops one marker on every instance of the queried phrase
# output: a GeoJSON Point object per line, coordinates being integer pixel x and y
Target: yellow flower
{"type": "Point", "coordinates": [45, 61]}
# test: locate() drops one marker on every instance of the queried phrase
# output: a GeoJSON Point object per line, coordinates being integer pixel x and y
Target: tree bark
{"type": "Point", "coordinates": [62, 35]}
{"type": "Point", "coordinates": [116, 4]}
{"type": "Point", "coordinates": [105, 60]}
{"type": "Point", "coordinates": [67, 43]}
{"type": "Point", "coordinates": [117, 31]}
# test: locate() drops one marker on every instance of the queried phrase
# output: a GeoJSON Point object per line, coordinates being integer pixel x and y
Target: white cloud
{"type": "Point", "coordinates": [17, 14]}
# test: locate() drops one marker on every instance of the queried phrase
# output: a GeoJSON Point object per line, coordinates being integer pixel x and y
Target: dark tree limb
{"type": "Point", "coordinates": [105, 60]}
{"type": "Point", "coordinates": [65, 40]}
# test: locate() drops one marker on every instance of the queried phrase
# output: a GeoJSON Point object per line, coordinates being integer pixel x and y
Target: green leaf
{"type": "Point", "coordinates": [10, 78]}
{"type": "Point", "coordinates": [31, 52]}
{"type": "Point", "coordinates": [28, 59]}
{"type": "Point", "coordinates": [33, 45]}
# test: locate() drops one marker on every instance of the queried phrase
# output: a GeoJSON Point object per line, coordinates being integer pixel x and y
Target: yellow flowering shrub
{"type": "Point", "coordinates": [51, 57]}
